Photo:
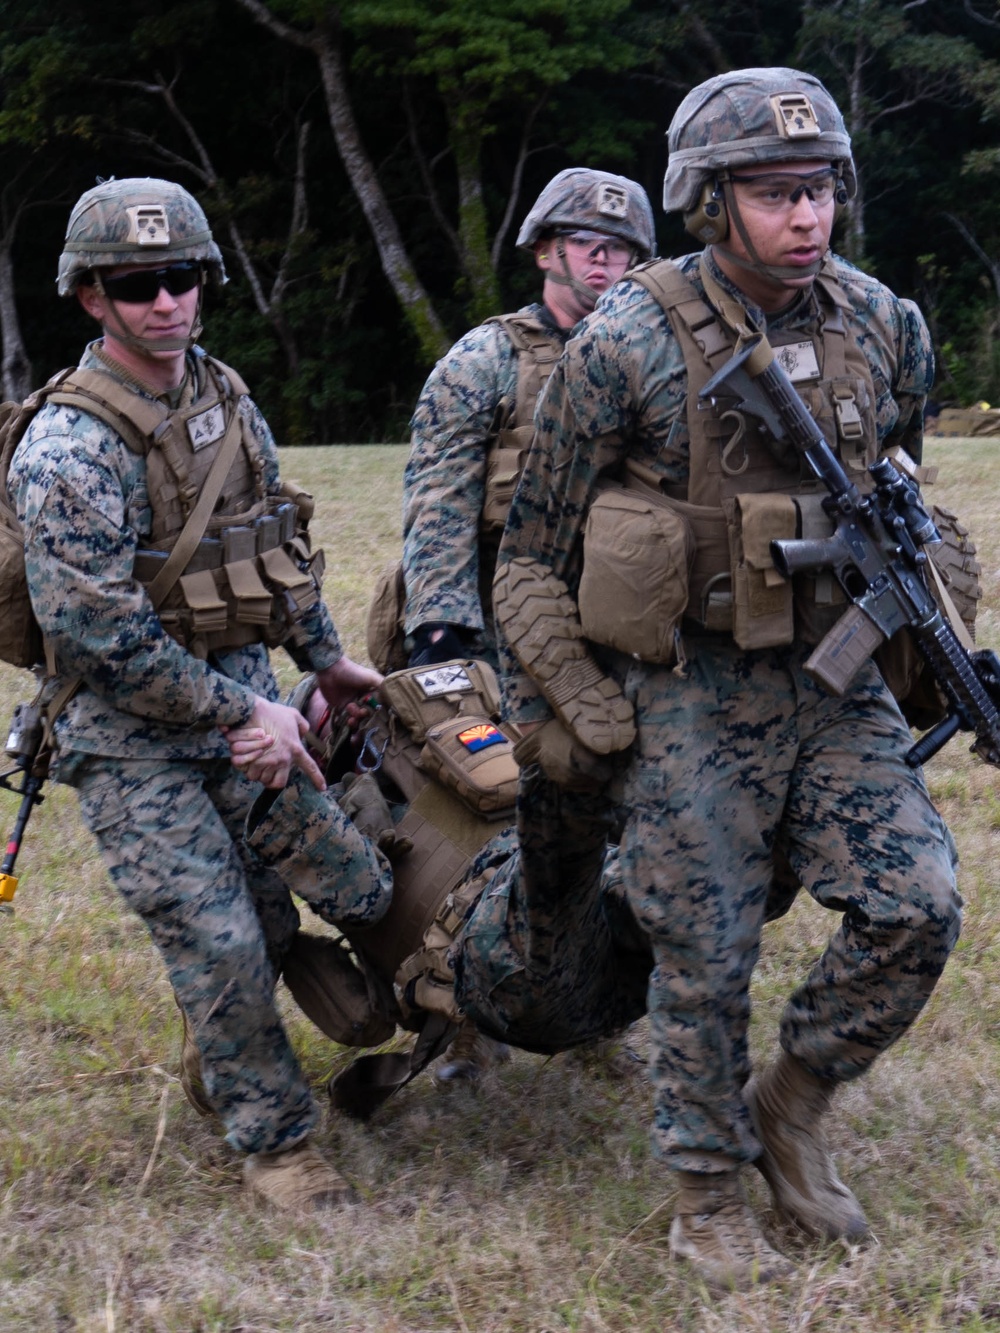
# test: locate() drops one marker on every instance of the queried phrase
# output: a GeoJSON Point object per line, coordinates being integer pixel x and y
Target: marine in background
{"type": "Point", "coordinates": [473, 422]}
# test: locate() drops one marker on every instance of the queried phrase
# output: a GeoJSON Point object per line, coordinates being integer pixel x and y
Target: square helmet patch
{"type": "Point", "coordinates": [612, 200]}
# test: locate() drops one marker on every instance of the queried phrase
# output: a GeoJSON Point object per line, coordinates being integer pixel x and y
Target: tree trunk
{"type": "Point", "coordinates": [484, 290]}
{"type": "Point", "coordinates": [410, 292]}
{"type": "Point", "coordinates": [418, 308]}
{"type": "Point", "coordinates": [16, 367]}
{"type": "Point", "coordinates": [854, 246]}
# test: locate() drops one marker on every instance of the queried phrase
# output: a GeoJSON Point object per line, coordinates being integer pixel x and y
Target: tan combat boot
{"type": "Point", "coordinates": [787, 1104]}
{"type": "Point", "coordinates": [541, 624]}
{"type": "Point", "coordinates": [468, 1055]}
{"type": "Point", "coordinates": [715, 1231]}
{"type": "Point", "coordinates": [297, 1180]}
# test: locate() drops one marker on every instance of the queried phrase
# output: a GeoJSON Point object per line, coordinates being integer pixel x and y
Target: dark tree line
{"type": "Point", "coordinates": [365, 165]}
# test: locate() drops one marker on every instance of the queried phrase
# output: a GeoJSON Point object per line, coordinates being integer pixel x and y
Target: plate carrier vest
{"type": "Point", "coordinates": [251, 575]}
{"type": "Point", "coordinates": [741, 482]}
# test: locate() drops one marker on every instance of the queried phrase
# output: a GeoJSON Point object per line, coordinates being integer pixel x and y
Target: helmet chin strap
{"type": "Point", "coordinates": [584, 294]}
{"type": "Point", "coordinates": [137, 344]}
{"type": "Point", "coordinates": [777, 272]}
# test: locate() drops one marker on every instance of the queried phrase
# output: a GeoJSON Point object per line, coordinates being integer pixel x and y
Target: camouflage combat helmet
{"type": "Point", "coordinates": [135, 221]}
{"type": "Point", "coordinates": [595, 200]}
{"type": "Point", "coordinates": [752, 116]}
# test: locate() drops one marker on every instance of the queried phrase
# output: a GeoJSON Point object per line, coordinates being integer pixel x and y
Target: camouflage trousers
{"type": "Point", "coordinates": [551, 956]}
{"type": "Point", "coordinates": [171, 835]}
{"type": "Point", "coordinates": [746, 761]}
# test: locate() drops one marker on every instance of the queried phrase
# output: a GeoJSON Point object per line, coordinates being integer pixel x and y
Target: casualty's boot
{"type": "Point", "coordinates": [787, 1104]}
{"type": "Point", "coordinates": [308, 840]}
{"type": "Point", "coordinates": [369, 811]}
{"type": "Point", "coordinates": [190, 1073]}
{"type": "Point", "coordinates": [297, 1180]}
{"type": "Point", "coordinates": [542, 626]}
{"type": "Point", "coordinates": [469, 1055]}
{"type": "Point", "coordinates": [715, 1231]}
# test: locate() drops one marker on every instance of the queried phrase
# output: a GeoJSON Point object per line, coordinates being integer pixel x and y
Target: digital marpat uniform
{"type": "Point", "coordinates": [746, 754]}
{"type": "Point", "coordinates": [141, 744]}
{"type": "Point", "coordinates": [447, 565]}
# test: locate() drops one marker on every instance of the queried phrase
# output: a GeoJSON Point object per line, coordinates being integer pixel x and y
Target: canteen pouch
{"type": "Point", "coordinates": [424, 696]}
{"type": "Point", "coordinates": [637, 558]}
{"type": "Point", "coordinates": [473, 758]}
{"type": "Point", "coordinates": [763, 610]}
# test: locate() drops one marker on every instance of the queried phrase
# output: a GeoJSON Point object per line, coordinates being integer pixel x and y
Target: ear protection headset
{"type": "Point", "coordinates": [709, 219]}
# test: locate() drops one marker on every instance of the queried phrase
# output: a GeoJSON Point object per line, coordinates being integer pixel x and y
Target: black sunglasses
{"type": "Point", "coordinates": [144, 285]}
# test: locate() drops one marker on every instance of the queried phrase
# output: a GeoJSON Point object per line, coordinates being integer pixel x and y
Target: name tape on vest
{"type": "Point", "coordinates": [798, 360]}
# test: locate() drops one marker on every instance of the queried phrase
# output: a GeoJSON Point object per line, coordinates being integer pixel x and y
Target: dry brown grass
{"type": "Point", "coordinates": [528, 1206]}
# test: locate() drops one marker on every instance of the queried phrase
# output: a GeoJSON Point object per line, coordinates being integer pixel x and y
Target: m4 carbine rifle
{"type": "Point", "coordinates": [26, 746]}
{"type": "Point", "coordinates": [876, 553]}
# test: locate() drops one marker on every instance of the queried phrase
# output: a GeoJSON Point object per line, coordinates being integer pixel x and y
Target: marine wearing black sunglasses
{"type": "Point", "coordinates": [144, 285]}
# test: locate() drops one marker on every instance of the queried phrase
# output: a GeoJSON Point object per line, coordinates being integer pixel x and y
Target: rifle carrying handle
{"type": "Point", "coordinates": [843, 652]}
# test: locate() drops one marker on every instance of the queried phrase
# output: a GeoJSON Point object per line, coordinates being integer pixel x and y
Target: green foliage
{"type": "Point", "coordinates": [466, 108]}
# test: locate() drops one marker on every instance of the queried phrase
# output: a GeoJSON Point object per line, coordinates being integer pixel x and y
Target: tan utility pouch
{"type": "Point", "coordinates": [475, 760]}
{"type": "Point", "coordinates": [637, 558]}
{"type": "Point", "coordinates": [504, 465]}
{"type": "Point", "coordinates": [425, 696]}
{"type": "Point", "coordinates": [384, 632]}
{"type": "Point", "coordinates": [762, 598]}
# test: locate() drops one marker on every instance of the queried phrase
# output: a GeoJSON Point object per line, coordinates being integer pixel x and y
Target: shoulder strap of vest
{"type": "Point", "coordinates": [227, 378]}
{"type": "Point", "coordinates": [682, 303]}
{"type": "Point", "coordinates": [95, 391]}
{"type": "Point", "coordinates": [528, 334]}
{"type": "Point", "coordinates": [664, 280]}
{"type": "Point", "coordinates": [829, 285]}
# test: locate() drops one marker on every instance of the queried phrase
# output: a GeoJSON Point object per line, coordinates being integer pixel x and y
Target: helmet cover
{"type": "Point", "coordinates": [595, 201]}
{"type": "Point", "coordinates": [752, 117]}
{"type": "Point", "coordinates": [135, 221]}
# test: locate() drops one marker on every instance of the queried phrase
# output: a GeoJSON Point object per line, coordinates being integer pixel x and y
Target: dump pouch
{"type": "Point", "coordinates": [425, 696]}
{"type": "Point", "coordinates": [384, 628]}
{"type": "Point", "coordinates": [763, 615]}
{"type": "Point", "coordinates": [474, 759]}
{"type": "Point", "coordinates": [637, 558]}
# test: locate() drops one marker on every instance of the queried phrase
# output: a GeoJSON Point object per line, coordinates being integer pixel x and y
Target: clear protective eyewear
{"type": "Point", "coordinates": [144, 285]}
{"type": "Point", "coordinates": [780, 192]}
{"type": "Point", "coordinates": [589, 243]}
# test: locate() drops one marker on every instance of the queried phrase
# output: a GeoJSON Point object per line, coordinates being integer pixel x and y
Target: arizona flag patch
{"type": "Point", "coordinates": [479, 737]}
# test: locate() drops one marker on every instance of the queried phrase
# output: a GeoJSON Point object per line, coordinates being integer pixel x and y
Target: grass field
{"type": "Point", "coordinates": [529, 1205]}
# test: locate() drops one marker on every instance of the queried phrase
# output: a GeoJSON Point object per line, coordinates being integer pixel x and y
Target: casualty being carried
{"type": "Point", "coordinates": [488, 906]}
